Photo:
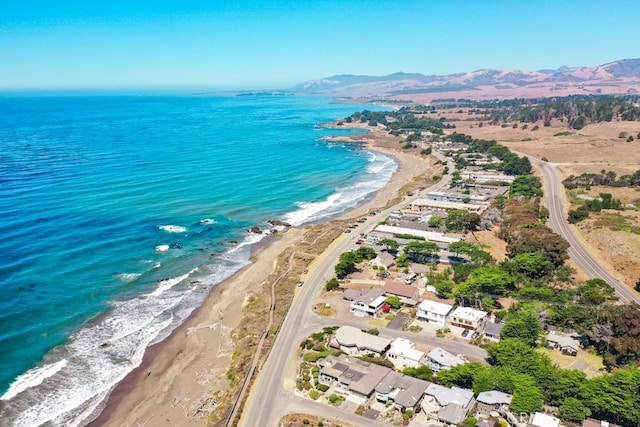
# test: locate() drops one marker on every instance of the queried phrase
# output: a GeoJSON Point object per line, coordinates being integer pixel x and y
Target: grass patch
{"type": "Point", "coordinates": [378, 322]}
{"type": "Point", "coordinates": [314, 356]}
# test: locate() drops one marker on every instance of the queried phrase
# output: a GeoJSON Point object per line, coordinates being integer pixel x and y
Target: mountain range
{"type": "Point", "coordinates": [618, 77]}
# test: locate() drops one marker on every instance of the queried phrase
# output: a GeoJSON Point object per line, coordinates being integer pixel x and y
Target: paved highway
{"type": "Point", "coordinates": [554, 195]}
{"type": "Point", "coordinates": [269, 399]}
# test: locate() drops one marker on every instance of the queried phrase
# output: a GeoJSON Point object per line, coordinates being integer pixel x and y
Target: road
{"type": "Point", "coordinates": [554, 195]}
{"type": "Point", "coordinates": [269, 400]}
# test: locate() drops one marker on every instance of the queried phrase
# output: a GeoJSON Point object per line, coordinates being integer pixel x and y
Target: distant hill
{"type": "Point", "coordinates": [619, 77]}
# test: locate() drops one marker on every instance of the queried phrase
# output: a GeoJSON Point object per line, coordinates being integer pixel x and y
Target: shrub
{"type": "Point", "coordinates": [334, 399]}
{"type": "Point", "coordinates": [314, 394]}
{"type": "Point", "coordinates": [322, 387]}
{"type": "Point", "coordinates": [536, 127]}
{"type": "Point", "coordinates": [306, 421]}
{"type": "Point", "coordinates": [332, 284]}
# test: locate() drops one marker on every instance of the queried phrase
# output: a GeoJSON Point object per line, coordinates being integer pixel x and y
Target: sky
{"type": "Point", "coordinates": [214, 44]}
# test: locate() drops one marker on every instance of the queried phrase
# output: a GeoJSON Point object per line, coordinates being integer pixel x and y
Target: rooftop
{"type": "Point", "coordinates": [349, 336]}
{"type": "Point", "coordinates": [360, 377]}
{"type": "Point", "coordinates": [543, 420]}
{"type": "Point", "coordinates": [494, 397]}
{"type": "Point", "coordinates": [469, 313]}
{"type": "Point", "coordinates": [435, 307]}
{"type": "Point", "coordinates": [452, 414]}
{"type": "Point", "coordinates": [370, 295]}
{"type": "Point", "coordinates": [492, 328]}
{"type": "Point", "coordinates": [445, 395]}
{"type": "Point", "coordinates": [405, 348]}
{"type": "Point", "coordinates": [564, 340]}
{"type": "Point", "coordinates": [432, 236]}
{"type": "Point", "coordinates": [400, 289]}
{"type": "Point", "coordinates": [444, 358]}
{"type": "Point", "coordinates": [407, 390]}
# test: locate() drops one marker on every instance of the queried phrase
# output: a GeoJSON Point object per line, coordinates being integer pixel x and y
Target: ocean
{"type": "Point", "coordinates": [119, 214]}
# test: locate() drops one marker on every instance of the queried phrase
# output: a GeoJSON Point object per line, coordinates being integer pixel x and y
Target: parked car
{"type": "Point", "coordinates": [465, 332]}
{"type": "Point", "coordinates": [475, 335]}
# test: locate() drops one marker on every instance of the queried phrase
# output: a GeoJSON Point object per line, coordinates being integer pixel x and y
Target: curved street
{"type": "Point", "coordinates": [554, 196]}
{"type": "Point", "coordinates": [269, 399]}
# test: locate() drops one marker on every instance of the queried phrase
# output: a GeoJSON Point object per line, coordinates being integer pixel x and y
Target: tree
{"type": "Point", "coordinates": [332, 284]}
{"type": "Point", "coordinates": [524, 325]}
{"type": "Point", "coordinates": [402, 261]}
{"type": "Point", "coordinates": [393, 301]}
{"type": "Point", "coordinates": [526, 185]}
{"type": "Point", "coordinates": [531, 265]}
{"type": "Point", "coordinates": [435, 221]}
{"type": "Point", "coordinates": [419, 250]}
{"type": "Point", "coordinates": [366, 253]}
{"type": "Point", "coordinates": [577, 215]}
{"type": "Point", "coordinates": [615, 397]}
{"type": "Point", "coordinates": [392, 245]}
{"type": "Point", "coordinates": [422, 372]}
{"type": "Point", "coordinates": [573, 410]}
{"type": "Point", "coordinates": [527, 396]}
{"type": "Point", "coordinates": [595, 292]}
{"type": "Point", "coordinates": [461, 375]}
{"type": "Point", "coordinates": [465, 248]}
{"type": "Point", "coordinates": [491, 280]}
{"type": "Point", "coordinates": [457, 220]}
{"type": "Point", "coordinates": [539, 239]}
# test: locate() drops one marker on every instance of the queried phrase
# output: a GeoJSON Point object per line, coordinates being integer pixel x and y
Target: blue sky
{"type": "Point", "coordinates": [56, 44]}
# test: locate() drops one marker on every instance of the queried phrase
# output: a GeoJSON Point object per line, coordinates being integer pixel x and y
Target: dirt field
{"type": "Point", "coordinates": [593, 148]}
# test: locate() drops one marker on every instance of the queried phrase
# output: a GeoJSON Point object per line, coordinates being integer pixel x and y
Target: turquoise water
{"type": "Point", "coordinates": [120, 213]}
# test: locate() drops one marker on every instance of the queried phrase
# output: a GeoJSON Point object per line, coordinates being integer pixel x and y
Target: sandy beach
{"type": "Point", "coordinates": [175, 383]}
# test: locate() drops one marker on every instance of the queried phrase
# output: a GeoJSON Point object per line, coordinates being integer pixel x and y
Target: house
{"type": "Point", "coordinates": [434, 312]}
{"type": "Point", "coordinates": [368, 304]}
{"type": "Point", "coordinates": [403, 354]}
{"type": "Point", "coordinates": [407, 293]}
{"type": "Point", "coordinates": [493, 400]}
{"type": "Point", "coordinates": [403, 391]}
{"type": "Point", "coordinates": [543, 420]}
{"type": "Point", "coordinates": [566, 344]}
{"type": "Point", "coordinates": [384, 260]}
{"type": "Point", "coordinates": [350, 294]}
{"type": "Point", "coordinates": [456, 197]}
{"type": "Point", "coordinates": [590, 422]}
{"type": "Point", "coordinates": [492, 331]}
{"type": "Point", "coordinates": [449, 405]}
{"type": "Point", "coordinates": [481, 177]}
{"type": "Point", "coordinates": [354, 378]}
{"type": "Point", "coordinates": [439, 359]}
{"type": "Point", "coordinates": [353, 341]}
{"type": "Point", "coordinates": [426, 205]}
{"type": "Point", "coordinates": [431, 236]}
{"type": "Point", "coordinates": [468, 318]}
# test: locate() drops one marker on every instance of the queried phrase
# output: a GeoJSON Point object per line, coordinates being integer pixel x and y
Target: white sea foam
{"type": "Point", "coordinates": [377, 174]}
{"type": "Point", "coordinates": [167, 284]}
{"type": "Point", "coordinates": [162, 248]}
{"type": "Point", "coordinates": [61, 394]}
{"type": "Point", "coordinates": [127, 277]}
{"type": "Point", "coordinates": [173, 228]}
{"type": "Point", "coordinates": [33, 378]}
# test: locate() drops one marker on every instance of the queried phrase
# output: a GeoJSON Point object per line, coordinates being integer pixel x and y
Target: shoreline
{"type": "Point", "coordinates": [178, 375]}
